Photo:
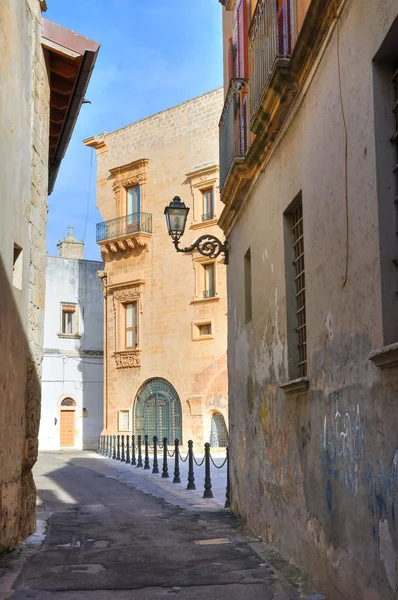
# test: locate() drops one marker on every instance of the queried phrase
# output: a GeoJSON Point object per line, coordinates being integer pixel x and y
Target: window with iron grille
{"type": "Point", "coordinates": [299, 279]}
{"type": "Point", "coordinates": [207, 204]}
{"type": "Point", "coordinates": [218, 431]}
{"type": "Point", "coordinates": [157, 411]}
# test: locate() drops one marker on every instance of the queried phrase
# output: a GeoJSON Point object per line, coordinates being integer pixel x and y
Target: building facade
{"type": "Point", "coordinates": [308, 176]}
{"type": "Point", "coordinates": [165, 313]}
{"type": "Point", "coordinates": [72, 381]}
{"type": "Point", "coordinates": [39, 104]}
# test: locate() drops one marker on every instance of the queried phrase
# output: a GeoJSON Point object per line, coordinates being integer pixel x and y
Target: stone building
{"type": "Point", "coordinates": [72, 382]}
{"type": "Point", "coordinates": [44, 72]}
{"type": "Point", "coordinates": [308, 154]}
{"type": "Point", "coordinates": [165, 313]}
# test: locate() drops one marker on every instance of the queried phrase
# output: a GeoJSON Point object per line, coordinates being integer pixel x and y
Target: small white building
{"type": "Point", "coordinates": [72, 384]}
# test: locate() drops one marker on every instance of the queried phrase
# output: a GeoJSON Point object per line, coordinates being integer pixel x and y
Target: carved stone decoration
{"type": "Point", "coordinates": [104, 278]}
{"type": "Point", "coordinates": [135, 173]}
{"type": "Point", "coordinates": [127, 359]}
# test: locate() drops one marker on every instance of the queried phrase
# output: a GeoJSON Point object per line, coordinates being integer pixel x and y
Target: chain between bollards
{"type": "Point", "coordinates": [133, 461]}
{"type": "Point", "coordinates": [146, 463]}
{"type": "Point", "coordinates": [139, 457]}
{"type": "Point", "coordinates": [165, 470]}
{"type": "Point", "coordinates": [127, 449]}
{"type": "Point", "coordinates": [191, 477]}
{"type": "Point", "coordinates": [207, 492]}
{"type": "Point", "coordinates": [155, 455]}
{"type": "Point", "coordinates": [176, 462]}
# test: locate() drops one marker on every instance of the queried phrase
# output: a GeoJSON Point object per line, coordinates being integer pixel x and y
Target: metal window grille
{"type": "Point", "coordinates": [218, 432]}
{"type": "Point", "coordinates": [158, 410]}
{"type": "Point", "coordinates": [299, 267]}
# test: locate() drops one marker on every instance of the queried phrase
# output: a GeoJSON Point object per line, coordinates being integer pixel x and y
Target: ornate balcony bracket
{"type": "Point", "coordinates": [207, 245]}
{"type": "Point", "coordinates": [127, 359]}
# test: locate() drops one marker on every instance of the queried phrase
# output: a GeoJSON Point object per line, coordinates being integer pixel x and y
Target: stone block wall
{"type": "Point", "coordinates": [24, 177]}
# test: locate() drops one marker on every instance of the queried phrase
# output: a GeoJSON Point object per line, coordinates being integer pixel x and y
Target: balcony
{"type": "Point", "coordinates": [271, 39]}
{"type": "Point", "coordinates": [233, 127]}
{"type": "Point", "coordinates": [130, 232]}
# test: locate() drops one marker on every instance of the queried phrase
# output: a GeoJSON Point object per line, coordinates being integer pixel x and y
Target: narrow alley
{"type": "Point", "coordinates": [103, 538]}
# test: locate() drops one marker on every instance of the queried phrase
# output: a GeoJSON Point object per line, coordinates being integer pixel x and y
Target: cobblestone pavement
{"type": "Point", "coordinates": [110, 530]}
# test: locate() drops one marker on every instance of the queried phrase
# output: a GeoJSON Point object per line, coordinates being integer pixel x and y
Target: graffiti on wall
{"type": "Point", "coordinates": [342, 457]}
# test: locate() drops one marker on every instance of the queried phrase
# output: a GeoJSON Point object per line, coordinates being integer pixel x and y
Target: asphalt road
{"type": "Point", "coordinates": [104, 539]}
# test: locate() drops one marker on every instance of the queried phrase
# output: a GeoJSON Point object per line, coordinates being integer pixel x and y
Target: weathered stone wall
{"type": "Point", "coordinates": [24, 102]}
{"type": "Point", "coordinates": [175, 142]}
{"type": "Point", "coordinates": [315, 473]}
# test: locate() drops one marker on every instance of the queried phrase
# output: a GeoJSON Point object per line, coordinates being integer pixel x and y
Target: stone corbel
{"type": "Point", "coordinates": [127, 359]}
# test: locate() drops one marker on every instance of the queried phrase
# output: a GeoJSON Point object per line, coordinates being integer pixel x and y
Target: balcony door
{"type": "Point", "coordinates": [133, 208]}
{"type": "Point", "coordinates": [157, 411]}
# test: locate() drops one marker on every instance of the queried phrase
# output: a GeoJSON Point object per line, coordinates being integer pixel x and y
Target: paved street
{"type": "Point", "coordinates": [111, 532]}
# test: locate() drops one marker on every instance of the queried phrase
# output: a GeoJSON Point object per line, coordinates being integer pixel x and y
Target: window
{"type": "Point", "coordinates": [218, 431]}
{"type": "Point", "coordinates": [209, 280]}
{"type": "Point", "coordinates": [295, 290]}
{"type": "Point", "coordinates": [385, 97]}
{"type": "Point", "coordinates": [131, 325]}
{"type": "Point", "coordinates": [207, 205]}
{"type": "Point", "coordinates": [205, 329]}
{"type": "Point", "coordinates": [17, 267]}
{"type": "Point", "coordinates": [124, 420]}
{"type": "Point", "coordinates": [248, 286]}
{"type": "Point", "coordinates": [68, 319]}
{"type": "Point", "coordinates": [133, 200]}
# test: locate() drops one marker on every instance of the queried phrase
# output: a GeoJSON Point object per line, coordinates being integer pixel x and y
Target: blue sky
{"type": "Point", "coordinates": [153, 55]}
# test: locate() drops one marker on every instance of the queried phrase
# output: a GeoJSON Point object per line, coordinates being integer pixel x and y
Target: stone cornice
{"type": "Point", "coordinates": [229, 4]}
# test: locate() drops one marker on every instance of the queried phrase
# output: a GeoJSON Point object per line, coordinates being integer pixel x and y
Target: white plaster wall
{"type": "Point", "coordinates": [73, 367]}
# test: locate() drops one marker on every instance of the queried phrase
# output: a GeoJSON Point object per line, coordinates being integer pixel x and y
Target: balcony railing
{"type": "Point", "coordinates": [209, 293]}
{"type": "Point", "coordinates": [233, 126]}
{"type": "Point", "coordinates": [271, 36]}
{"type": "Point", "coordinates": [129, 224]}
{"type": "Point", "coordinates": [208, 216]}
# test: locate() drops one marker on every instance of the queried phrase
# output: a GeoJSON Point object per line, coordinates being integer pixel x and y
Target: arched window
{"type": "Point", "coordinates": [218, 432]}
{"type": "Point", "coordinates": [68, 402]}
{"type": "Point", "coordinates": [157, 410]}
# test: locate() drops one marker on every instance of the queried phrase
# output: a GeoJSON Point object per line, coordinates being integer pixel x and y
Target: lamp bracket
{"type": "Point", "coordinates": [207, 245]}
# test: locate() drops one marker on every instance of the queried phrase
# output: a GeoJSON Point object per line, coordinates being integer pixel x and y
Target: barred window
{"type": "Point", "coordinates": [299, 268]}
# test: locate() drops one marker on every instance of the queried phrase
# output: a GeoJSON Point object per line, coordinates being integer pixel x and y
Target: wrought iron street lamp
{"type": "Point", "coordinates": [207, 245]}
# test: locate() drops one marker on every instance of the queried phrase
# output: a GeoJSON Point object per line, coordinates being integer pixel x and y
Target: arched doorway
{"type": "Point", "coordinates": [67, 425]}
{"type": "Point", "coordinates": [157, 410]}
{"type": "Point", "coordinates": [218, 431]}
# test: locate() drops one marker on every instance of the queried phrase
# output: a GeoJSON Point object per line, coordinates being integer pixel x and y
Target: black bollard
{"type": "Point", "coordinates": [107, 446]}
{"type": "Point", "coordinates": [127, 449]}
{"type": "Point", "coordinates": [114, 448]}
{"type": "Point", "coordinates": [139, 463]}
{"type": "Point", "coordinates": [176, 462]}
{"type": "Point", "coordinates": [133, 461]}
{"type": "Point", "coordinates": [207, 493]}
{"type": "Point", "coordinates": [146, 461]}
{"type": "Point", "coordinates": [191, 477]}
{"type": "Point", "coordinates": [99, 451]}
{"type": "Point", "coordinates": [118, 448]}
{"type": "Point", "coordinates": [155, 455]}
{"type": "Point", "coordinates": [123, 457]}
{"type": "Point", "coordinates": [228, 491]}
{"type": "Point", "coordinates": [165, 470]}
{"type": "Point", "coordinates": [110, 447]}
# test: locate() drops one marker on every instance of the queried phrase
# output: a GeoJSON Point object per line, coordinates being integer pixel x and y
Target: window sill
{"type": "Point", "coordinates": [203, 337]}
{"type": "Point", "coordinates": [386, 357]}
{"type": "Point", "coordinates": [69, 336]}
{"type": "Point", "coordinates": [200, 300]}
{"type": "Point", "coordinates": [296, 386]}
{"type": "Point", "coordinates": [201, 224]}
